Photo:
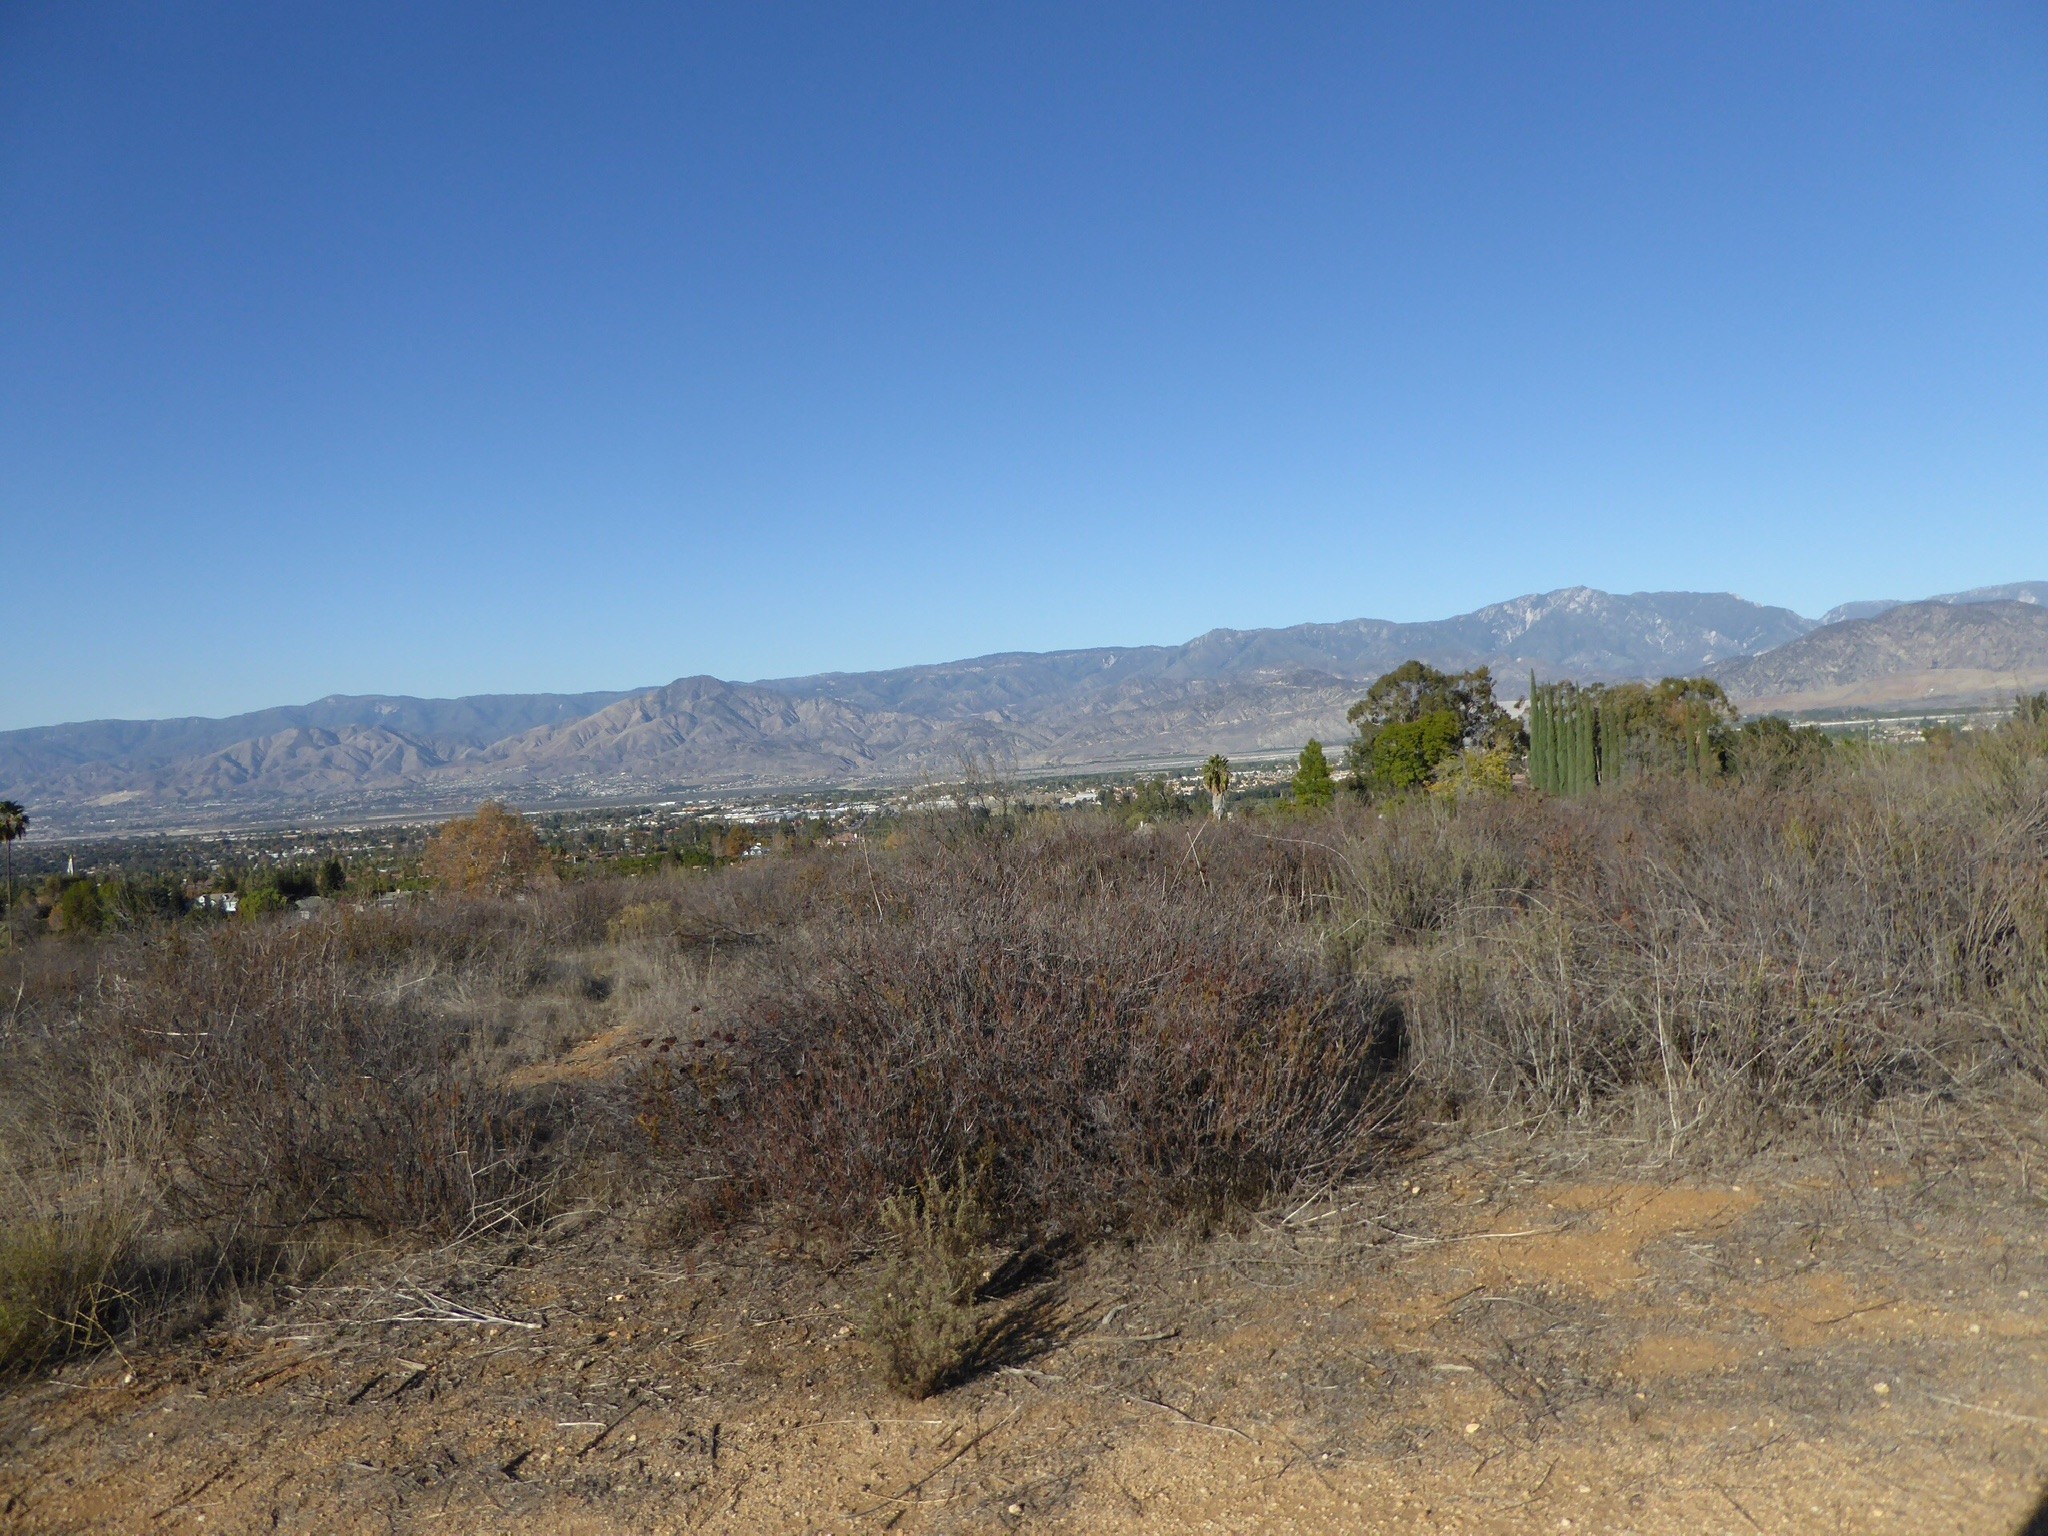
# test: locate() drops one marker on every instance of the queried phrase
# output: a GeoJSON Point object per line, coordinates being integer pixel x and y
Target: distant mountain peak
{"type": "Point", "coordinates": [2032, 592]}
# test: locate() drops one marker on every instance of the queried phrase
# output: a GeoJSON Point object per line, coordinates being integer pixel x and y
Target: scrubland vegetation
{"type": "Point", "coordinates": [961, 1051]}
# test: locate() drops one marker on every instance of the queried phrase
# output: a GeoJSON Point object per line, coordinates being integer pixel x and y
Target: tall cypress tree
{"type": "Point", "coordinates": [1568, 744]}
{"type": "Point", "coordinates": [1542, 736]}
{"type": "Point", "coordinates": [1585, 768]}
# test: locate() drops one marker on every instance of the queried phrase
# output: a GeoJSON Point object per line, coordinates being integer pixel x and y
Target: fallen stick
{"type": "Point", "coordinates": [1468, 1237]}
{"type": "Point", "coordinates": [438, 1309]}
{"type": "Point", "coordinates": [1996, 1413]}
{"type": "Point", "coordinates": [615, 1423]}
{"type": "Point", "coordinates": [1187, 1418]}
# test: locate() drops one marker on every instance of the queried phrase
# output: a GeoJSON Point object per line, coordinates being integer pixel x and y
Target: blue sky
{"type": "Point", "coordinates": [456, 348]}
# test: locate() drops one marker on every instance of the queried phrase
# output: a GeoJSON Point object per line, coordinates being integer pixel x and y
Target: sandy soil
{"type": "Point", "coordinates": [1474, 1346]}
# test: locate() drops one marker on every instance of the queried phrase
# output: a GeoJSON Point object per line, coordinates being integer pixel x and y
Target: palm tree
{"type": "Point", "coordinates": [1216, 779]}
{"type": "Point", "coordinates": [13, 822]}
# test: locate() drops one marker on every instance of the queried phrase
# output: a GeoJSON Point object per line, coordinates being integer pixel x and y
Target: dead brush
{"type": "Point", "coordinates": [204, 1110]}
{"type": "Point", "coordinates": [920, 1314]}
{"type": "Point", "coordinates": [1735, 953]}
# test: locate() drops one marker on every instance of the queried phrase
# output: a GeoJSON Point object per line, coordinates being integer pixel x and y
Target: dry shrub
{"type": "Point", "coordinates": [507, 944]}
{"type": "Point", "coordinates": [691, 917]}
{"type": "Point", "coordinates": [1725, 951]}
{"type": "Point", "coordinates": [640, 921]}
{"type": "Point", "coordinates": [301, 1100]}
{"type": "Point", "coordinates": [1114, 1031]}
{"type": "Point", "coordinates": [1118, 1032]}
{"type": "Point", "coordinates": [80, 1255]}
{"type": "Point", "coordinates": [1419, 867]}
{"type": "Point", "coordinates": [189, 1110]}
{"type": "Point", "coordinates": [282, 1089]}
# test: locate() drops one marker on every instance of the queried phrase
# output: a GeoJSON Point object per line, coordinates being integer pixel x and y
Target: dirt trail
{"type": "Point", "coordinates": [1471, 1349]}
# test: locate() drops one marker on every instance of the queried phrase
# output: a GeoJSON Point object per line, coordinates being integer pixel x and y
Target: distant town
{"type": "Point", "coordinates": [382, 854]}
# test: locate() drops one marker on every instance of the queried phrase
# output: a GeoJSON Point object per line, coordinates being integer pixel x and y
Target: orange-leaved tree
{"type": "Point", "coordinates": [492, 853]}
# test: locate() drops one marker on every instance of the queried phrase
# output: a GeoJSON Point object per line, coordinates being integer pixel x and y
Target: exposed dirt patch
{"type": "Point", "coordinates": [1791, 1355]}
{"type": "Point", "coordinates": [1590, 1236]}
{"type": "Point", "coordinates": [1660, 1356]}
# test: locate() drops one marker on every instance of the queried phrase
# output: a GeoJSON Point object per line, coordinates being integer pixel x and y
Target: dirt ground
{"type": "Point", "coordinates": [1481, 1343]}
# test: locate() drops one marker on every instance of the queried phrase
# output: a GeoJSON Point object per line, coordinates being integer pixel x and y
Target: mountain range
{"type": "Point", "coordinates": [1235, 691]}
{"type": "Point", "coordinates": [1949, 650]}
{"type": "Point", "coordinates": [2033, 592]}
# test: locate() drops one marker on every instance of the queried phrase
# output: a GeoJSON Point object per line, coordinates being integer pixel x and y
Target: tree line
{"type": "Point", "coordinates": [1420, 729]}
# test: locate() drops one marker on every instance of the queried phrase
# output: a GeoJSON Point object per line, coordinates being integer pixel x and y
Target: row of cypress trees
{"type": "Point", "coordinates": [1564, 739]}
{"type": "Point", "coordinates": [1581, 737]}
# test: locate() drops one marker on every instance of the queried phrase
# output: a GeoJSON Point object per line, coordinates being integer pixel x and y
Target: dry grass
{"type": "Point", "coordinates": [1724, 953]}
{"type": "Point", "coordinates": [188, 1114]}
{"type": "Point", "coordinates": [68, 1282]}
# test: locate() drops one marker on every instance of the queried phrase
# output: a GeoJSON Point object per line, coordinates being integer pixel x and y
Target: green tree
{"type": "Point", "coordinates": [1406, 754]}
{"type": "Point", "coordinates": [331, 878]}
{"type": "Point", "coordinates": [1155, 800]}
{"type": "Point", "coordinates": [1472, 773]}
{"type": "Point", "coordinates": [261, 902]}
{"type": "Point", "coordinates": [1314, 785]}
{"type": "Point", "coordinates": [130, 900]}
{"type": "Point", "coordinates": [78, 908]}
{"type": "Point", "coordinates": [1769, 750]}
{"type": "Point", "coordinates": [1602, 734]}
{"type": "Point", "coordinates": [13, 823]}
{"type": "Point", "coordinates": [1216, 780]}
{"type": "Point", "coordinates": [1415, 689]}
{"type": "Point", "coordinates": [1408, 695]}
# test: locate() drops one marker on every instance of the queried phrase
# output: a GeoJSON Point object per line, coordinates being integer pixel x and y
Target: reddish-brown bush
{"type": "Point", "coordinates": [1116, 1031]}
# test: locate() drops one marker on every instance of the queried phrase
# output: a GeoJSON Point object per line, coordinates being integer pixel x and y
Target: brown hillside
{"type": "Point", "coordinates": [1934, 653]}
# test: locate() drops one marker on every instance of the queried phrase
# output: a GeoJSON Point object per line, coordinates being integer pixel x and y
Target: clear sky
{"type": "Point", "coordinates": [456, 348]}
